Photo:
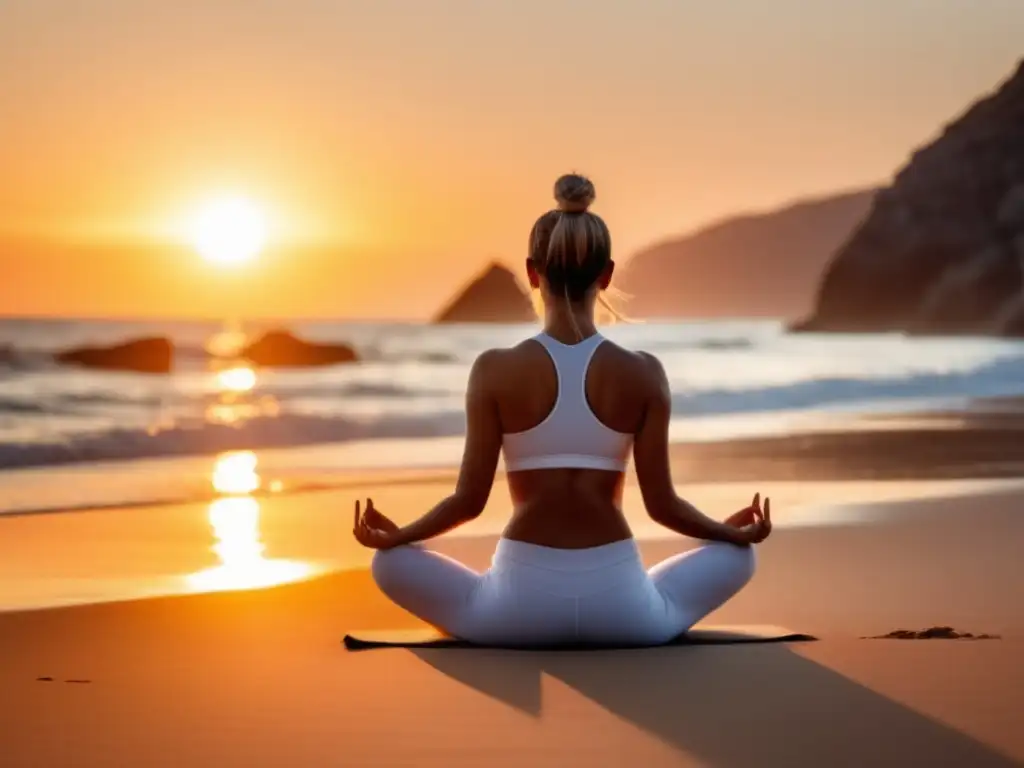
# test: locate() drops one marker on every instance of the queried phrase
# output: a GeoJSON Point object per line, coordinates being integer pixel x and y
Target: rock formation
{"type": "Point", "coordinates": [282, 349]}
{"type": "Point", "coordinates": [764, 264]}
{"type": "Point", "coordinates": [942, 250]}
{"type": "Point", "coordinates": [495, 296]}
{"type": "Point", "coordinates": [153, 355]}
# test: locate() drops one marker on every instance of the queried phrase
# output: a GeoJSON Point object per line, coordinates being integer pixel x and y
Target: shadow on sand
{"type": "Point", "coordinates": [766, 705]}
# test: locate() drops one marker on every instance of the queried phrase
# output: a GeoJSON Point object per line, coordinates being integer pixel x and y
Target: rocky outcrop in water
{"type": "Point", "coordinates": [942, 250]}
{"type": "Point", "coordinates": [496, 296]}
{"type": "Point", "coordinates": [282, 349]}
{"type": "Point", "coordinates": [153, 355]}
{"type": "Point", "coordinates": [764, 264]}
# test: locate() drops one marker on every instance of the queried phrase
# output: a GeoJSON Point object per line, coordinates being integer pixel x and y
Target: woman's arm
{"type": "Point", "coordinates": [479, 461]}
{"type": "Point", "coordinates": [650, 454]}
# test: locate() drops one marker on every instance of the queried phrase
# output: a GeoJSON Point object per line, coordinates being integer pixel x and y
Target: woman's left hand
{"type": "Point", "coordinates": [373, 529]}
{"type": "Point", "coordinates": [749, 515]}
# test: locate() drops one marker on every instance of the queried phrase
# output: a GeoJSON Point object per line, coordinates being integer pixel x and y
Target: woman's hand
{"type": "Point", "coordinates": [754, 523]}
{"type": "Point", "coordinates": [373, 529]}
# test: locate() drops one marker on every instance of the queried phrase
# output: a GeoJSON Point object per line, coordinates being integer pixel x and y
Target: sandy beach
{"type": "Point", "coordinates": [258, 677]}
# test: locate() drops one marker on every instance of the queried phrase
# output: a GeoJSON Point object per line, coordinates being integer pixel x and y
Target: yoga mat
{"type": "Point", "coordinates": [431, 638]}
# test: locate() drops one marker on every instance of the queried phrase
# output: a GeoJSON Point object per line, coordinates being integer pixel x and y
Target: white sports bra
{"type": "Point", "coordinates": [571, 436]}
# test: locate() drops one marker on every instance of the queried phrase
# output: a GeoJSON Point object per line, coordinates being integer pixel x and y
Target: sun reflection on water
{"type": "Point", "coordinates": [238, 379]}
{"type": "Point", "coordinates": [235, 522]}
{"type": "Point", "coordinates": [235, 397]}
{"type": "Point", "coordinates": [235, 472]}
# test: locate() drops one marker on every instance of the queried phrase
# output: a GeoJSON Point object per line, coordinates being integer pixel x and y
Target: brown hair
{"type": "Point", "coordinates": [570, 246]}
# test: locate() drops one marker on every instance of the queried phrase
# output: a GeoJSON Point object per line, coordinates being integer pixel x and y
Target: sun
{"type": "Point", "coordinates": [228, 230]}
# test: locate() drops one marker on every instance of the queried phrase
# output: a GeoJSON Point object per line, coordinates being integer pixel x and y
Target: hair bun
{"type": "Point", "coordinates": [574, 193]}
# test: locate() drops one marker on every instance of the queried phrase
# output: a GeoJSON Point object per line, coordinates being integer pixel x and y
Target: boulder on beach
{"type": "Point", "coordinates": [942, 250]}
{"type": "Point", "coordinates": [494, 296]}
{"type": "Point", "coordinates": [150, 355]}
{"type": "Point", "coordinates": [282, 349]}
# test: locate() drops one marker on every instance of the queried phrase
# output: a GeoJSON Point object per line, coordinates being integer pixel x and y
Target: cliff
{"type": "Point", "coordinates": [943, 246]}
{"type": "Point", "coordinates": [765, 264]}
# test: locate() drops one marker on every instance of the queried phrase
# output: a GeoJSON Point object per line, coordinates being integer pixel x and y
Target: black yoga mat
{"type": "Point", "coordinates": [710, 635]}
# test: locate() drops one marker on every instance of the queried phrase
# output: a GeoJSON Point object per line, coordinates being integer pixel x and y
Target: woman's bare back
{"type": "Point", "coordinates": [567, 508]}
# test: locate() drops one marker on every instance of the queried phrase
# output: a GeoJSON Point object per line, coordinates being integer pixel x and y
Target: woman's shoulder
{"type": "Point", "coordinates": [498, 359]}
{"type": "Point", "coordinates": [635, 360]}
{"type": "Point", "coordinates": [500, 369]}
{"type": "Point", "coordinates": [643, 370]}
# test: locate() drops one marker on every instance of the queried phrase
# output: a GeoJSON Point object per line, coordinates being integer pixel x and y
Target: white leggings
{"type": "Point", "coordinates": [540, 595]}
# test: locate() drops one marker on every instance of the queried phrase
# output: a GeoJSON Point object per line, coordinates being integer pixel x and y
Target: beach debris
{"type": "Point", "coordinates": [932, 633]}
{"type": "Point", "coordinates": [44, 679]}
{"type": "Point", "coordinates": [78, 681]}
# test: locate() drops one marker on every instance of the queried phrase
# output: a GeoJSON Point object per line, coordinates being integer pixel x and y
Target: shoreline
{"type": "Point", "coordinates": [887, 534]}
{"type": "Point", "coordinates": [250, 524]}
{"type": "Point", "coordinates": [984, 440]}
{"type": "Point", "coordinates": [244, 542]}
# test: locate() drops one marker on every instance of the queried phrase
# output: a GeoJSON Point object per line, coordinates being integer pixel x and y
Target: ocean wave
{"type": "Point", "coordinates": [374, 354]}
{"type": "Point", "coordinates": [290, 429]}
{"type": "Point", "coordinates": [284, 431]}
{"type": "Point", "coordinates": [368, 353]}
{"type": "Point", "coordinates": [412, 382]}
{"type": "Point", "coordinates": [348, 389]}
{"type": "Point", "coordinates": [108, 399]}
{"type": "Point", "coordinates": [1003, 376]}
{"type": "Point", "coordinates": [9, 405]}
{"type": "Point", "coordinates": [724, 345]}
{"type": "Point", "coordinates": [67, 403]}
{"type": "Point", "coordinates": [379, 389]}
{"type": "Point", "coordinates": [18, 359]}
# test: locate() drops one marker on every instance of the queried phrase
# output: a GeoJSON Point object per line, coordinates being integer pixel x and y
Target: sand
{"type": "Point", "coordinates": [259, 678]}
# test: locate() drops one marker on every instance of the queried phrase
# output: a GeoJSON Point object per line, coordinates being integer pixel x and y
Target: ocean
{"type": "Point", "coordinates": [130, 438]}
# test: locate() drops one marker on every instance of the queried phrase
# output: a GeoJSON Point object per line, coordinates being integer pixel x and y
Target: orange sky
{"type": "Point", "coordinates": [400, 145]}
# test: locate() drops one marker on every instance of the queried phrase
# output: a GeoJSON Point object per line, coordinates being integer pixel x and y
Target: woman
{"type": "Point", "coordinates": [565, 408]}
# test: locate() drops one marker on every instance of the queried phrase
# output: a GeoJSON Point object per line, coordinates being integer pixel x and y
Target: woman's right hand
{"type": "Point", "coordinates": [373, 529]}
{"type": "Point", "coordinates": [753, 522]}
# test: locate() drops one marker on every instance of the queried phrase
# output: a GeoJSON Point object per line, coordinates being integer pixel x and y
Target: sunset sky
{"type": "Point", "coordinates": [396, 146]}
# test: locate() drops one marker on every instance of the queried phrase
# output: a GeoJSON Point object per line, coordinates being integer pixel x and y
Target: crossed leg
{"type": "Point", "coordinates": [446, 594]}
{"type": "Point", "coordinates": [695, 583]}
{"type": "Point", "coordinates": [429, 585]}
